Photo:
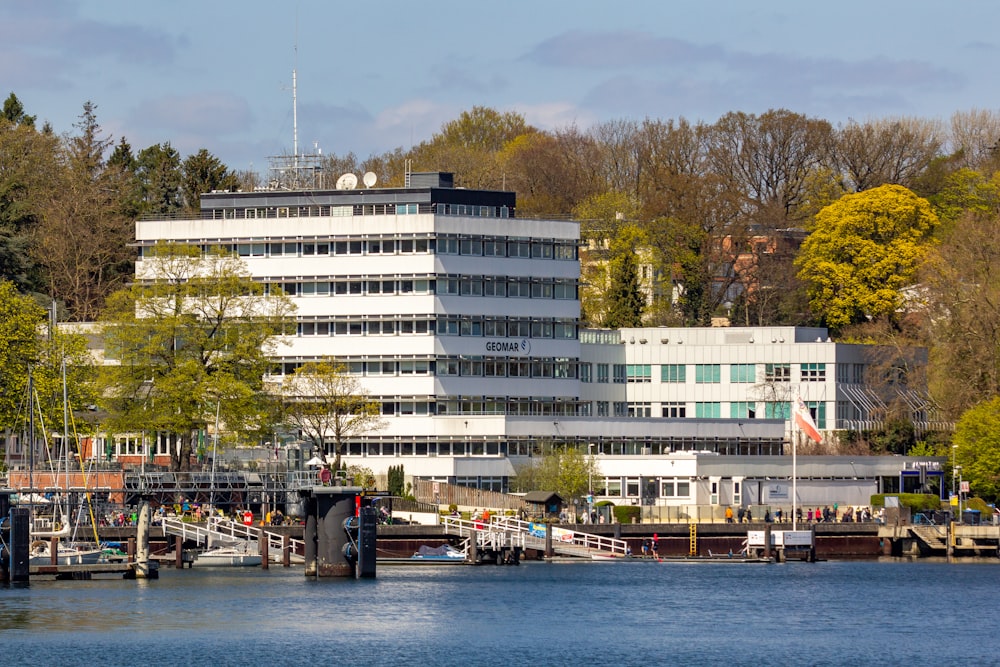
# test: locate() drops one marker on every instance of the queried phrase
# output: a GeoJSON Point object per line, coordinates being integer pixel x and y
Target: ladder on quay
{"type": "Point", "coordinates": [218, 529]}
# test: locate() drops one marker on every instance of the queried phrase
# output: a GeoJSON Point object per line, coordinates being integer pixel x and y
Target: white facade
{"type": "Point", "coordinates": [462, 321]}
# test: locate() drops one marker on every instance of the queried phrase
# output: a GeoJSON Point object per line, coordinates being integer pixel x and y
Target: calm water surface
{"type": "Point", "coordinates": [638, 613]}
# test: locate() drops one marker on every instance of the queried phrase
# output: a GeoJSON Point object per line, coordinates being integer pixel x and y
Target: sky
{"type": "Point", "coordinates": [374, 76]}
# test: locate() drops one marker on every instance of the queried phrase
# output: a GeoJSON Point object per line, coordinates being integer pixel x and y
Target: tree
{"type": "Point", "coordinates": [625, 302]}
{"type": "Point", "coordinates": [27, 341]}
{"type": "Point", "coordinates": [324, 402]}
{"type": "Point", "coordinates": [977, 442]}
{"type": "Point", "coordinates": [83, 235]}
{"type": "Point", "coordinates": [191, 337]}
{"type": "Point", "coordinates": [20, 319]}
{"type": "Point", "coordinates": [564, 470]}
{"type": "Point", "coordinates": [960, 289]}
{"type": "Point", "coordinates": [13, 111]}
{"type": "Point", "coordinates": [862, 250]}
{"type": "Point", "coordinates": [884, 151]}
{"type": "Point", "coordinates": [159, 171]}
{"type": "Point", "coordinates": [203, 172]}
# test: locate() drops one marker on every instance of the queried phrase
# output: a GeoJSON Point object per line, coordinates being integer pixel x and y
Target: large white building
{"type": "Point", "coordinates": [462, 320]}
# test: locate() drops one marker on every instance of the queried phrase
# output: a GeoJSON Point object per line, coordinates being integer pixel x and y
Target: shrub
{"type": "Point", "coordinates": [625, 513]}
{"type": "Point", "coordinates": [917, 502]}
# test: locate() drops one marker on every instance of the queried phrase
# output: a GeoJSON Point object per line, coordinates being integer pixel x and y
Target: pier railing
{"type": "Point", "coordinates": [515, 532]}
{"type": "Point", "coordinates": [223, 530]}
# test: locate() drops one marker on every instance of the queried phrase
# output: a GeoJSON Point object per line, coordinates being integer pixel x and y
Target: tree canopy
{"type": "Point", "coordinates": [191, 337]}
{"type": "Point", "coordinates": [977, 442]}
{"type": "Point", "coordinates": [326, 403]}
{"type": "Point", "coordinates": [863, 249]}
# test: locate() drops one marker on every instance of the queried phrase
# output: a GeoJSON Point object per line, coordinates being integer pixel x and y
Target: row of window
{"type": "Point", "coordinates": [495, 286]}
{"type": "Point", "coordinates": [488, 327]}
{"type": "Point", "coordinates": [441, 245]}
{"type": "Point", "coordinates": [712, 373]}
{"type": "Point", "coordinates": [325, 211]}
{"type": "Point", "coordinates": [535, 367]}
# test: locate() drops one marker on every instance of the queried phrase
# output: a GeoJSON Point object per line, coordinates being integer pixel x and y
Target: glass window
{"type": "Point", "coordinates": [673, 373]}
{"type": "Point", "coordinates": [585, 371]}
{"type": "Point", "coordinates": [743, 410]}
{"type": "Point", "coordinates": [739, 373]}
{"type": "Point", "coordinates": [777, 372]}
{"type": "Point", "coordinates": [673, 410]}
{"type": "Point", "coordinates": [773, 410]}
{"type": "Point", "coordinates": [708, 410]}
{"type": "Point", "coordinates": [602, 373]}
{"type": "Point", "coordinates": [813, 372]}
{"type": "Point", "coordinates": [639, 372]}
{"type": "Point", "coordinates": [620, 376]}
{"type": "Point", "coordinates": [707, 373]}
{"type": "Point", "coordinates": [818, 411]}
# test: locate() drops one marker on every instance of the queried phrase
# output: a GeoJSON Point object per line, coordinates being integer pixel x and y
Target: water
{"type": "Point", "coordinates": [620, 614]}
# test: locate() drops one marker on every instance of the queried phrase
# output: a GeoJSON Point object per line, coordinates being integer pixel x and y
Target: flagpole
{"type": "Point", "coordinates": [795, 476]}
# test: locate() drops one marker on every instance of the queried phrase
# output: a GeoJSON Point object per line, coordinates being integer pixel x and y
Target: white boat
{"type": "Point", "coordinates": [237, 554]}
{"type": "Point", "coordinates": [66, 554]}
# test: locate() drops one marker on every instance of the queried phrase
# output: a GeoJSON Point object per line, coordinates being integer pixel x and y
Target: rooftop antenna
{"type": "Point", "coordinates": [295, 98]}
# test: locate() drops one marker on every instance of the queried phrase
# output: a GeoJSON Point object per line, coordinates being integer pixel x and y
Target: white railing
{"type": "Point", "coordinates": [222, 530]}
{"type": "Point", "coordinates": [526, 534]}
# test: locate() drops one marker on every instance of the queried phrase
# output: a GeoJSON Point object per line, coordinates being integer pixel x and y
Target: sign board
{"type": "Point", "coordinates": [778, 492]}
{"type": "Point", "coordinates": [964, 486]}
{"type": "Point", "coordinates": [953, 500]}
{"type": "Point", "coordinates": [781, 538]}
{"type": "Point", "coordinates": [511, 347]}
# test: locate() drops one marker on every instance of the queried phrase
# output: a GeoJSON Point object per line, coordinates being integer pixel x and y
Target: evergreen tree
{"type": "Point", "coordinates": [625, 301]}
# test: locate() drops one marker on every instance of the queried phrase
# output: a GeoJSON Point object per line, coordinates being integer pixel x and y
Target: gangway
{"type": "Point", "coordinates": [218, 529]}
{"type": "Point", "coordinates": [526, 534]}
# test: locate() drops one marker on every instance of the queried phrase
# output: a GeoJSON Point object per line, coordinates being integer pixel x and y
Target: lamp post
{"type": "Point", "coordinates": [954, 467]}
{"type": "Point", "coordinates": [959, 470]}
{"type": "Point", "coordinates": [590, 478]}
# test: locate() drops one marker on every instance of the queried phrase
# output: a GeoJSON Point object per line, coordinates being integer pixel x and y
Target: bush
{"type": "Point", "coordinates": [917, 502]}
{"type": "Point", "coordinates": [625, 513]}
{"type": "Point", "coordinates": [979, 504]}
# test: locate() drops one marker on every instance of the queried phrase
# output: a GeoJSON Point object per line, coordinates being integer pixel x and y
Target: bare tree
{"type": "Point", "coordinates": [324, 402]}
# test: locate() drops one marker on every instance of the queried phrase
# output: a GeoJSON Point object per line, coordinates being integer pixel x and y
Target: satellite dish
{"type": "Point", "coordinates": [369, 179]}
{"type": "Point", "coordinates": [347, 182]}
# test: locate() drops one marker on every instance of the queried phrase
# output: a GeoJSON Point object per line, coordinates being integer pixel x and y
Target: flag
{"type": "Point", "coordinates": [805, 421]}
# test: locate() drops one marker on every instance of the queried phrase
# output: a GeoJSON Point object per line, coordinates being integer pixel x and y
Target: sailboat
{"type": "Point", "coordinates": [51, 530]}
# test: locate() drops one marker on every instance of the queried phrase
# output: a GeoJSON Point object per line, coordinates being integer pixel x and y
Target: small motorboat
{"type": "Point", "coordinates": [66, 554]}
{"type": "Point", "coordinates": [445, 552]}
{"type": "Point", "coordinates": [237, 554]}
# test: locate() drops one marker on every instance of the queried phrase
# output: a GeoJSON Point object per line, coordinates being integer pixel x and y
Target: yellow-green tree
{"type": "Point", "coordinates": [193, 338]}
{"type": "Point", "coordinates": [862, 250]}
{"type": "Point", "coordinates": [977, 441]}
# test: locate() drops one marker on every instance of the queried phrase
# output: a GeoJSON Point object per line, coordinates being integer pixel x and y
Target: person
{"type": "Point", "coordinates": [777, 515]}
{"type": "Point", "coordinates": [645, 548]}
{"type": "Point", "coordinates": [729, 514]}
{"type": "Point", "coordinates": [656, 546]}
{"type": "Point", "coordinates": [740, 513]}
{"type": "Point", "coordinates": [798, 514]}
{"type": "Point", "coordinates": [325, 476]}
{"type": "Point", "coordinates": [749, 515]}
{"type": "Point", "coordinates": [767, 516]}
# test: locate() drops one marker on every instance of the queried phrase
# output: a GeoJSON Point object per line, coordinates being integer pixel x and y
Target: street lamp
{"type": "Point", "coordinates": [590, 478]}
{"type": "Point", "coordinates": [959, 469]}
{"type": "Point", "coordinates": [954, 451]}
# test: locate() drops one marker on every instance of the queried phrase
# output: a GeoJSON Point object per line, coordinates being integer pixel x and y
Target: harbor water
{"type": "Point", "coordinates": [620, 614]}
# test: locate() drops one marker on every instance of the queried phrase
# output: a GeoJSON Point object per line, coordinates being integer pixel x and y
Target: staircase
{"type": "Point", "coordinates": [931, 536]}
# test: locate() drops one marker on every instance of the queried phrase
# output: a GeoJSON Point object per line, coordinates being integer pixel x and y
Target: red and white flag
{"type": "Point", "coordinates": [805, 421]}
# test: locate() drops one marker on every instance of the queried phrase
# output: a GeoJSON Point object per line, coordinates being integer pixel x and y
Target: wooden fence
{"type": "Point", "coordinates": [463, 496]}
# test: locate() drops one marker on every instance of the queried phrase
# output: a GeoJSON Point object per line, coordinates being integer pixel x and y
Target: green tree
{"type": "Point", "coordinates": [159, 171]}
{"type": "Point", "coordinates": [203, 172]}
{"type": "Point", "coordinates": [564, 470]}
{"type": "Point", "coordinates": [13, 111]}
{"type": "Point", "coordinates": [977, 442]}
{"type": "Point", "coordinates": [862, 250]}
{"type": "Point", "coordinates": [193, 335]}
{"type": "Point", "coordinates": [960, 288]}
{"type": "Point", "coordinates": [326, 403]}
{"type": "Point", "coordinates": [20, 347]}
{"type": "Point", "coordinates": [625, 302]}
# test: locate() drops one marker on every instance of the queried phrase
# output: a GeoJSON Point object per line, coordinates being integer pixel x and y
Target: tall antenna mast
{"type": "Point", "coordinates": [295, 98]}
